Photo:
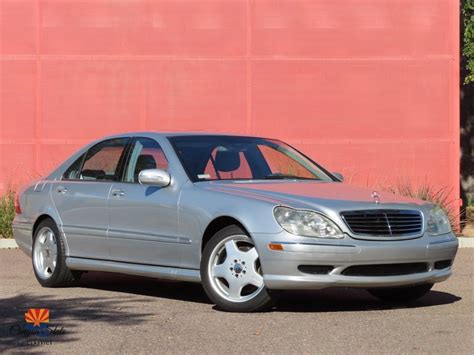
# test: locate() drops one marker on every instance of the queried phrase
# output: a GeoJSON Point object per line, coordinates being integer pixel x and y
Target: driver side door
{"type": "Point", "coordinates": [143, 219]}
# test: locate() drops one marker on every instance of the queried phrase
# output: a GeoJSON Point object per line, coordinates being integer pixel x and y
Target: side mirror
{"type": "Point", "coordinates": [339, 176]}
{"type": "Point", "coordinates": [156, 177]}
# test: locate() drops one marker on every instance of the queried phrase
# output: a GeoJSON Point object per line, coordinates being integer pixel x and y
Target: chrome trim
{"type": "Point", "coordinates": [318, 244]}
{"type": "Point", "coordinates": [390, 236]}
{"type": "Point", "coordinates": [83, 230]}
{"type": "Point", "coordinates": [133, 235]}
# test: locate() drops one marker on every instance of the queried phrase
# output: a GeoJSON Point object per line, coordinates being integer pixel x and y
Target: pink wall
{"type": "Point", "coordinates": [366, 87]}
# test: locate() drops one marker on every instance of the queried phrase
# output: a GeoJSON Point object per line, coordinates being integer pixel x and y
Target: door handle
{"type": "Point", "coordinates": [61, 190]}
{"type": "Point", "coordinates": [118, 193]}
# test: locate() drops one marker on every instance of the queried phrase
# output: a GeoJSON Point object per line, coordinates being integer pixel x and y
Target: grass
{"type": "Point", "coordinates": [7, 213]}
{"type": "Point", "coordinates": [468, 231]}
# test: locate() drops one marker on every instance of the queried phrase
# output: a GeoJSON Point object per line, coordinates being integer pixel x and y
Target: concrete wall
{"type": "Point", "coordinates": [369, 88]}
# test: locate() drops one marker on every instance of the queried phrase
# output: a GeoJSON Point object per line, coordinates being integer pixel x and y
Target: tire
{"type": "Point", "coordinates": [49, 257]}
{"type": "Point", "coordinates": [231, 272]}
{"type": "Point", "coordinates": [401, 294]}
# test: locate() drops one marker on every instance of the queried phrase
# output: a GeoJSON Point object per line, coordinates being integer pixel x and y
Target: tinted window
{"type": "Point", "coordinates": [242, 171]}
{"type": "Point", "coordinates": [73, 172]}
{"type": "Point", "coordinates": [102, 160]}
{"type": "Point", "coordinates": [146, 153]}
{"type": "Point", "coordinates": [280, 162]}
{"type": "Point", "coordinates": [231, 157]}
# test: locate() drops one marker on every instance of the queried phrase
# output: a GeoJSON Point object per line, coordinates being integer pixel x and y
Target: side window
{"type": "Point", "coordinates": [146, 153]}
{"type": "Point", "coordinates": [102, 160]}
{"type": "Point", "coordinates": [74, 171]}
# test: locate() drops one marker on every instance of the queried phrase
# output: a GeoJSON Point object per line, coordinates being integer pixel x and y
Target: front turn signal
{"type": "Point", "coordinates": [274, 246]}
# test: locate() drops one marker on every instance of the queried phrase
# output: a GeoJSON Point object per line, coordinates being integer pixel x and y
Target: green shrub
{"type": "Point", "coordinates": [468, 39]}
{"type": "Point", "coordinates": [438, 196]}
{"type": "Point", "coordinates": [470, 214]}
{"type": "Point", "coordinates": [7, 213]}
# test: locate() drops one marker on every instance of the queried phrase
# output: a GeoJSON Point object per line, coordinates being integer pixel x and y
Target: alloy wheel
{"type": "Point", "coordinates": [45, 253]}
{"type": "Point", "coordinates": [234, 269]}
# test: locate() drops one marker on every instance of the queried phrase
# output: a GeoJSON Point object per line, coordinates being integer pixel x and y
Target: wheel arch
{"type": "Point", "coordinates": [217, 224]}
{"type": "Point", "coordinates": [40, 219]}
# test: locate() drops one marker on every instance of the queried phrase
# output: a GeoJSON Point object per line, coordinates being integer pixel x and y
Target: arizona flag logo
{"type": "Point", "coordinates": [37, 316]}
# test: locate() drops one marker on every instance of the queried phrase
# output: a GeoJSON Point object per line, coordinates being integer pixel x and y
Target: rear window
{"type": "Point", "coordinates": [101, 162]}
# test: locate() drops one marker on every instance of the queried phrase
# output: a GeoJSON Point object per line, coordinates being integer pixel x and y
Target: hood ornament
{"type": "Point", "coordinates": [376, 197]}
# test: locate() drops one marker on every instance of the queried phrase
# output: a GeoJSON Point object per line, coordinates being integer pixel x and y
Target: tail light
{"type": "Point", "coordinates": [17, 204]}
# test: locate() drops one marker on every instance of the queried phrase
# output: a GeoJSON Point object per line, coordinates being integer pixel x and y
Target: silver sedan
{"type": "Point", "coordinates": [245, 216]}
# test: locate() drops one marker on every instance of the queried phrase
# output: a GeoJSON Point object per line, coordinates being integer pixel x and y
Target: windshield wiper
{"type": "Point", "coordinates": [278, 176]}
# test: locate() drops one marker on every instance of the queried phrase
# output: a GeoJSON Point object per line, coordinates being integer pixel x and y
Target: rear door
{"type": "Point", "coordinates": [81, 198]}
{"type": "Point", "coordinates": [143, 219]}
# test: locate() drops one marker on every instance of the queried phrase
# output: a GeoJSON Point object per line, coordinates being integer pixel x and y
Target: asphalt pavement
{"type": "Point", "coordinates": [110, 313]}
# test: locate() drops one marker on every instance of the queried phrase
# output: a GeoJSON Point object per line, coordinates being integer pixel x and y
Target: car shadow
{"type": "Point", "coordinates": [145, 286]}
{"type": "Point", "coordinates": [327, 300]}
{"type": "Point", "coordinates": [352, 300]}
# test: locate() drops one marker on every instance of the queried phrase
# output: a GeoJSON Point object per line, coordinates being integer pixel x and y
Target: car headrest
{"type": "Point", "coordinates": [93, 174]}
{"type": "Point", "coordinates": [227, 161]}
{"type": "Point", "coordinates": [144, 162]}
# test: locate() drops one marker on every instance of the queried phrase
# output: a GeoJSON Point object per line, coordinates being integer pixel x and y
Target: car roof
{"type": "Point", "coordinates": [174, 134]}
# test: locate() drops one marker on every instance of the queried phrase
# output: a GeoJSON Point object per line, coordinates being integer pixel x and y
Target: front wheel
{"type": "Point", "coordinates": [401, 294]}
{"type": "Point", "coordinates": [231, 272]}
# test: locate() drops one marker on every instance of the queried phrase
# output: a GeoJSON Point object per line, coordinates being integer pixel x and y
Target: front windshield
{"type": "Point", "coordinates": [243, 158]}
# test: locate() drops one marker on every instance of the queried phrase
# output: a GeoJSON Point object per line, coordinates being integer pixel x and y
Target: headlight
{"type": "Point", "coordinates": [438, 222]}
{"type": "Point", "coordinates": [306, 223]}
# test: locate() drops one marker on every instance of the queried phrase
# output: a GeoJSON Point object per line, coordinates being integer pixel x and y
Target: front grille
{"type": "Point", "coordinates": [384, 222]}
{"type": "Point", "coordinates": [385, 269]}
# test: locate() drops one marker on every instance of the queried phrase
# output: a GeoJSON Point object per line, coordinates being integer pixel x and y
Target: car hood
{"type": "Point", "coordinates": [302, 192]}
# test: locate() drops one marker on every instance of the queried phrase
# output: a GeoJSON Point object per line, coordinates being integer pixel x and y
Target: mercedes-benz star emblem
{"type": "Point", "coordinates": [376, 197]}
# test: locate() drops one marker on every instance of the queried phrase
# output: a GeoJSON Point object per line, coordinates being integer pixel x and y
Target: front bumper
{"type": "Point", "coordinates": [280, 267]}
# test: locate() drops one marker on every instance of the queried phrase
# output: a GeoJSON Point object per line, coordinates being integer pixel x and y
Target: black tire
{"type": "Point", "coordinates": [401, 294]}
{"type": "Point", "coordinates": [61, 276]}
{"type": "Point", "coordinates": [260, 302]}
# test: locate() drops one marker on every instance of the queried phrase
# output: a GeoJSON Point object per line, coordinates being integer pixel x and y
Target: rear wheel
{"type": "Point", "coordinates": [49, 257]}
{"type": "Point", "coordinates": [401, 294]}
{"type": "Point", "coordinates": [231, 272]}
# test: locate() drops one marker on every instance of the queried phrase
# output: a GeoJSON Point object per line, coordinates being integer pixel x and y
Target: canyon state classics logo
{"type": "Point", "coordinates": [37, 329]}
{"type": "Point", "coordinates": [37, 321]}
